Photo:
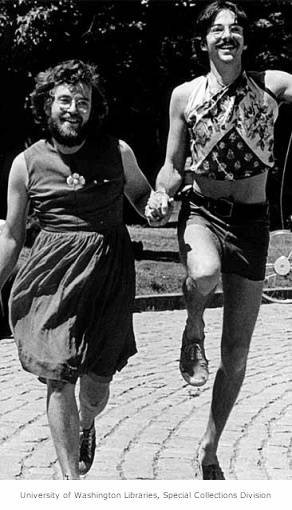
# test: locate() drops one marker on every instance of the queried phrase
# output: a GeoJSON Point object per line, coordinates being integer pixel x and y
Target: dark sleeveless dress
{"type": "Point", "coordinates": [71, 303]}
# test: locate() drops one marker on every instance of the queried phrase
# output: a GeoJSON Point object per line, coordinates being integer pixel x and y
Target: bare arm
{"type": "Point", "coordinates": [280, 83]}
{"type": "Point", "coordinates": [13, 233]}
{"type": "Point", "coordinates": [137, 188]}
{"type": "Point", "coordinates": [170, 176]}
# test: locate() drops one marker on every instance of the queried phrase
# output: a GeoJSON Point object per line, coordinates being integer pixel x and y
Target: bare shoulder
{"type": "Point", "coordinates": [135, 181]}
{"type": "Point", "coordinates": [279, 82]}
{"type": "Point", "coordinates": [18, 197]}
{"type": "Point", "coordinates": [18, 172]}
{"type": "Point", "coordinates": [129, 160]}
{"type": "Point", "coordinates": [19, 160]}
{"type": "Point", "coordinates": [124, 147]}
{"type": "Point", "coordinates": [181, 93]}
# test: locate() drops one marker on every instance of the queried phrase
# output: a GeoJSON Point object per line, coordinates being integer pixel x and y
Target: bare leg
{"type": "Point", "coordinates": [242, 299]}
{"type": "Point", "coordinates": [93, 397]}
{"type": "Point", "coordinates": [201, 257]}
{"type": "Point", "coordinates": [195, 305]}
{"type": "Point", "coordinates": [64, 425]}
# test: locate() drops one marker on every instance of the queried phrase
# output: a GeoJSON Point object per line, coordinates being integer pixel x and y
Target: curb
{"type": "Point", "coordinates": [161, 302]}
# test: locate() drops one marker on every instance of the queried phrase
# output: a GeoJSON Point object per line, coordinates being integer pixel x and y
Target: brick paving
{"type": "Point", "coordinates": [152, 426]}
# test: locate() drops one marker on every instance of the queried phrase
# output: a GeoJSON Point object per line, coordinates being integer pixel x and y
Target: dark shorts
{"type": "Point", "coordinates": [242, 239]}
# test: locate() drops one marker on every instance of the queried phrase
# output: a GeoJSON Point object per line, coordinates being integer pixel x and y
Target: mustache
{"type": "Point", "coordinates": [71, 117]}
{"type": "Point", "coordinates": [230, 42]}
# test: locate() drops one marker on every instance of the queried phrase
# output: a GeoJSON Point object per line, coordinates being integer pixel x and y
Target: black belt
{"type": "Point", "coordinates": [226, 208]}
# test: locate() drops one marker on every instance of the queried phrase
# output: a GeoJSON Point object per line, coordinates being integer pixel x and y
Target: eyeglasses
{"type": "Point", "coordinates": [65, 102]}
{"type": "Point", "coordinates": [218, 30]}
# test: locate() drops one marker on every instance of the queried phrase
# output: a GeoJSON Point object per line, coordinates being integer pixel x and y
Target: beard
{"type": "Point", "coordinates": [66, 134]}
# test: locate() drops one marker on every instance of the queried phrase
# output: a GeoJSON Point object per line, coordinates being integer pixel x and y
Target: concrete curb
{"type": "Point", "coordinates": [161, 302]}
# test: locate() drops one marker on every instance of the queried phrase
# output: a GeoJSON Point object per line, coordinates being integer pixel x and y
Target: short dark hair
{"type": "Point", "coordinates": [69, 72]}
{"type": "Point", "coordinates": [209, 13]}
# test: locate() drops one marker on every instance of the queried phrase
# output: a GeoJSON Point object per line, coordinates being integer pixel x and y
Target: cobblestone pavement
{"type": "Point", "coordinates": [152, 426]}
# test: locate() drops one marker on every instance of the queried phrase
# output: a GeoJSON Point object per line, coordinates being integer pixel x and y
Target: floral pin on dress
{"type": "Point", "coordinates": [75, 181]}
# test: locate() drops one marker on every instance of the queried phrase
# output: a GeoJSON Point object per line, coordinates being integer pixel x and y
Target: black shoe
{"type": "Point", "coordinates": [193, 362]}
{"type": "Point", "coordinates": [87, 449]}
{"type": "Point", "coordinates": [212, 472]}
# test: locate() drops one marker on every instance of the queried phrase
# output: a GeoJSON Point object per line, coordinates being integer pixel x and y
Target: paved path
{"type": "Point", "coordinates": [154, 421]}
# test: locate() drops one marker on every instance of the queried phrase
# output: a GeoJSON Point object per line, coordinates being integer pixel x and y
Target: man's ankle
{"type": "Point", "coordinates": [86, 425]}
{"type": "Point", "coordinates": [191, 337]}
{"type": "Point", "coordinates": [208, 455]}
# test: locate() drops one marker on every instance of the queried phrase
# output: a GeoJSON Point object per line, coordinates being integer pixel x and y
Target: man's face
{"type": "Point", "coordinates": [225, 40]}
{"type": "Point", "coordinates": [69, 113]}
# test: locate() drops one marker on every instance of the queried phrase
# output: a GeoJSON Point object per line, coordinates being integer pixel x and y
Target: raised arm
{"type": "Point", "coordinates": [13, 233]}
{"type": "Point", "coordinates": [137, 188]}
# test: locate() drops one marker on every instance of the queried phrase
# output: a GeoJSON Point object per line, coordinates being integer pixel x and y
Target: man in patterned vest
{"type": "Point", "coordinates": [225, 120]}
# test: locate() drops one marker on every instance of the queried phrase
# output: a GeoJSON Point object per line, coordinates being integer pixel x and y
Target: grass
{"type": "Point", "coordinates": [158, 269]}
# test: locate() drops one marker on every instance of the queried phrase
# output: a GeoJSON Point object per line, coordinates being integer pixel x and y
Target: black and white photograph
{"type": "Point", "coordinates": [146, 253]}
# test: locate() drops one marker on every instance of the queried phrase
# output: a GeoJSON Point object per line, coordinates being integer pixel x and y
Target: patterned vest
{"type": "Point", "coordinates": [231, 131]}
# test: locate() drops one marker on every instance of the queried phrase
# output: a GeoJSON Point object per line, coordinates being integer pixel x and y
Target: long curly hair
{"type": "Point", "coordinates": [68, 72]}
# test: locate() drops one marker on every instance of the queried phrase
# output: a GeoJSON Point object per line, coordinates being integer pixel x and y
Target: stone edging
{"type": "Point", "coordinates": [160, 302]}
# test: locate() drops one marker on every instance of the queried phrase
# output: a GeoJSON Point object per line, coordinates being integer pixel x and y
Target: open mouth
{"type": "Point", "coordinates": [227, 46]}
{"type": "Point", "coordinates": [71, 120]}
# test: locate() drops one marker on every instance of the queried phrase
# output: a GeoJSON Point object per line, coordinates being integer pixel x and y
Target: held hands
{"type": "Point", "coordinates": [158, 209]}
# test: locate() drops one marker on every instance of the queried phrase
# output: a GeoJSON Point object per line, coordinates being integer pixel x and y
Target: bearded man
{"type": "Point", "coordinates": [71, 302]}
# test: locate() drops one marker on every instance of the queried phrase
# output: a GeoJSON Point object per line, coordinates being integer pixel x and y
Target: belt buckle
{"type": "Point", "coordinates": [223, 207]}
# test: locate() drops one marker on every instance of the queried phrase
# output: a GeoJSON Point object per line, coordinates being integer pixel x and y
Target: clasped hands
{"type": "Point", "coordinates": [158, 209]}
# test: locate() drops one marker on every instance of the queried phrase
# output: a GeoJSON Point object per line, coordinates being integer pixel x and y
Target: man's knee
{"type": "Point", "coordinates": [60, 390]}
{"type": "Point", "coordinates": [94, 394]}
{"type": "Point", "coordinates": [58, 386]}
{"type": "Point", "coordinates": [234, 359]}
{"type": "Point", "coordinates": [203, 279]}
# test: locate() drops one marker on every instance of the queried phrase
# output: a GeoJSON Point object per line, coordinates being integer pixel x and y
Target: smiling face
{"type": "Point", "coordinates": [69, 113]}
{"type": "Point", "coordinates": [224, 40]}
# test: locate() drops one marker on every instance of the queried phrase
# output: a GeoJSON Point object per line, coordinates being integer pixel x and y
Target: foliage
{"type": "Point", "coordinates": [128, 36]}
{"type": "Point", "coordinates": [32, 30]}
{"type": "Point", "coordinates": [145, 45]}
{"type": "Point", "coordinates": [143, 49]}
